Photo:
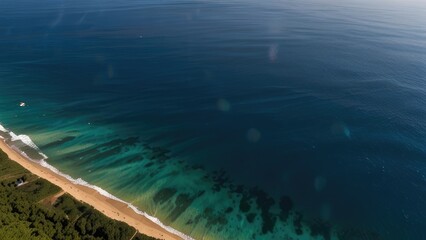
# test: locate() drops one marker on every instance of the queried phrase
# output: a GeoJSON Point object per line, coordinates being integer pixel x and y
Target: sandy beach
{"type": "Point", "coordinates": [111, 208]}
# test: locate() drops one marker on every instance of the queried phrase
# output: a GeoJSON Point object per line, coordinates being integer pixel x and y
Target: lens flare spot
{"type": "Point", "coordinates": [320, 183]}
{"type": "Point", "coordinates": [223, 105]}
{"type": "Point", "coordinates": [253, 135]}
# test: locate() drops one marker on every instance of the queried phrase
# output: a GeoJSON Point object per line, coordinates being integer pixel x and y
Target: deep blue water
{"type": "Point", "coordinates": [320, 101]}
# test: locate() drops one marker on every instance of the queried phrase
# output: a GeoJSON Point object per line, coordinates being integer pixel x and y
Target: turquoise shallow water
{"type": "Point", "coordinates": [229, 120]}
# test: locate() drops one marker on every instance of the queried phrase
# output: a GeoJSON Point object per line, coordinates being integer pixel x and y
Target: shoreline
{"type": "Point", "coordinates": [111, 208]}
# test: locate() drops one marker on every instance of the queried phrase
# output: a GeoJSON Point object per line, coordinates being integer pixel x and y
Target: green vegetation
{"type": "Point", "coordinates": [26, 211]}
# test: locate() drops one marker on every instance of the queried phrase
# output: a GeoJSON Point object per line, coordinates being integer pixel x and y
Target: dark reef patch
{"type": "Point", "coordinates": [197, 167]}
{"type": "Point", "coordinates": [131, 141]}
{"type": "Point", "coordinates": [105, 154]}
{"type": "Point", "coordinates": [286, 204]}
{"type": "Point", "coordinates": [182, 202]}
{"type": "Point", "coordinates": [149, 164]}
{"type": "Point", "coordinates": [244, 203]}
{"type": "Point", "coordinates": [194, 221]}
{"type": "Point", "coordinates": [220, 178]}
{"type": "Point", "coordinates": [297, 222]}
{"type": "Point", "coordinates": [250, 217]}
{"type": "Point", "coordinates": [214, 218]}
{"type": "Point", "coordinates": [157, 153]}
{"type": "Point", "coordinates": [59, 142]}
{"type": "Point", "coordinates": [265, 202]}
{"type": "Point", "coordinates": [80, 154]}
{"type": "Point", "coordinates": [229, 210]}
{"type": "Point", "coordinates": [239, 189]}
{"type": "Point", "coordinates": [153, 173]}
{"type": "Point", "coordinates": [163, 195]}
{"type": "Point", "coordinates": [93, 152]}
{"type": "Point", "coordinates": [133, 159]}
{"type": "Point", "coordinates": [320, 228]}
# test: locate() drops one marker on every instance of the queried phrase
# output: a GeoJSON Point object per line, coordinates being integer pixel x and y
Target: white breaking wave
{"type": "Point", "coordinates": [27, 140]}
{"type": "Point", "coordinates": [43, 155]}
{"type": "Point", "coordinates": [3, 129]}
{"type": "Point", "coordinates": [24, 138]}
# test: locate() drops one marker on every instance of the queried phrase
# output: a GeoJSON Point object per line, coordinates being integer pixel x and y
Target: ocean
{"type": "Point", "coordinates": [274, 119]}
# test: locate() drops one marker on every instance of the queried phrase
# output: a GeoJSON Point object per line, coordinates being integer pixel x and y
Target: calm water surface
{"type": "Point", "coordinates": [230, 119]}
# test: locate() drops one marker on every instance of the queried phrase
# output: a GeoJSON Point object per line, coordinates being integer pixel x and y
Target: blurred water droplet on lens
{"type": "Point", "coordinates": [81, 20]}
{"type": "Point", "coordinates": [110, 71]}
{"type": "Point", "coordinates": [320, 183]}
{"type": "Point", "coordinates": [273, 52]}
{"type": "Point", "coordinates": [223, 105]}
{"type": "Point", "coordinates": [341, 129]}
{"type": "Point", "coordinates": [253, 135]}
{"type": "Point", "coordinates": [325, 212]}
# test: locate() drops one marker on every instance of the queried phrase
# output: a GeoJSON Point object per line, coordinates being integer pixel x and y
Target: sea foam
{"type": "Point", "coordinates": [23, 138]}
{"type": "Point", "coordinates": [3, 129]}
{"type": "Point", "coordinates": [28, 141]}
